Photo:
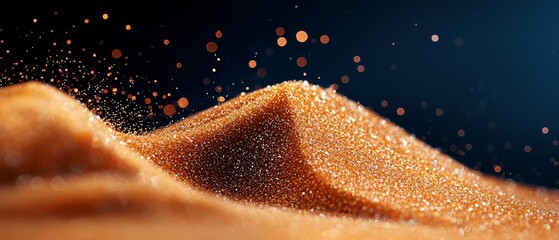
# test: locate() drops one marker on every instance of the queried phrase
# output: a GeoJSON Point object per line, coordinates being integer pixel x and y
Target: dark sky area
{"type": "Point", "coordinates": [476, 79]}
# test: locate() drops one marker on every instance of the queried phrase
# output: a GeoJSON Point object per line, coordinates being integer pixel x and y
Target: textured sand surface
{"type": "Point", "coordinates": [291, 161]}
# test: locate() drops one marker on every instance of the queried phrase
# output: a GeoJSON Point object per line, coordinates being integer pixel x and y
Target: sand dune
{"type": "Point", "coordinates": [291, 161]}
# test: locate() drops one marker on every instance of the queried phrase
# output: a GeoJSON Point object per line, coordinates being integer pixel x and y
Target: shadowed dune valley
{"type": "Point", "coordinates": [289, 161]}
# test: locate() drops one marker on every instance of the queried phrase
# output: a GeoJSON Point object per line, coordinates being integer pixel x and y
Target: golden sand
{"type": "Point", "coordinates": [291, 161]}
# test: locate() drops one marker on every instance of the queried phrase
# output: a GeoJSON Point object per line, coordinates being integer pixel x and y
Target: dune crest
{"type": "Point", "coordinates": [298, 145]}
{"type": "Point", "coordinates": [323, 159]}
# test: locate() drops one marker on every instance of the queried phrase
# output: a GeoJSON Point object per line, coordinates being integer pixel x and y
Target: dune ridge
{"type": "Point", "coordinates": [292, 154]}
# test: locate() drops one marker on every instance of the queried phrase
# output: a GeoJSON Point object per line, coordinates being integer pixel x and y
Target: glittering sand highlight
{"type": "Point", "coordinates": [291, 161]}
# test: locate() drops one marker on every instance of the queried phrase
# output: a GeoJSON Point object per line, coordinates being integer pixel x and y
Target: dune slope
{"type": "Point", "coordinates": [292, 161]}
